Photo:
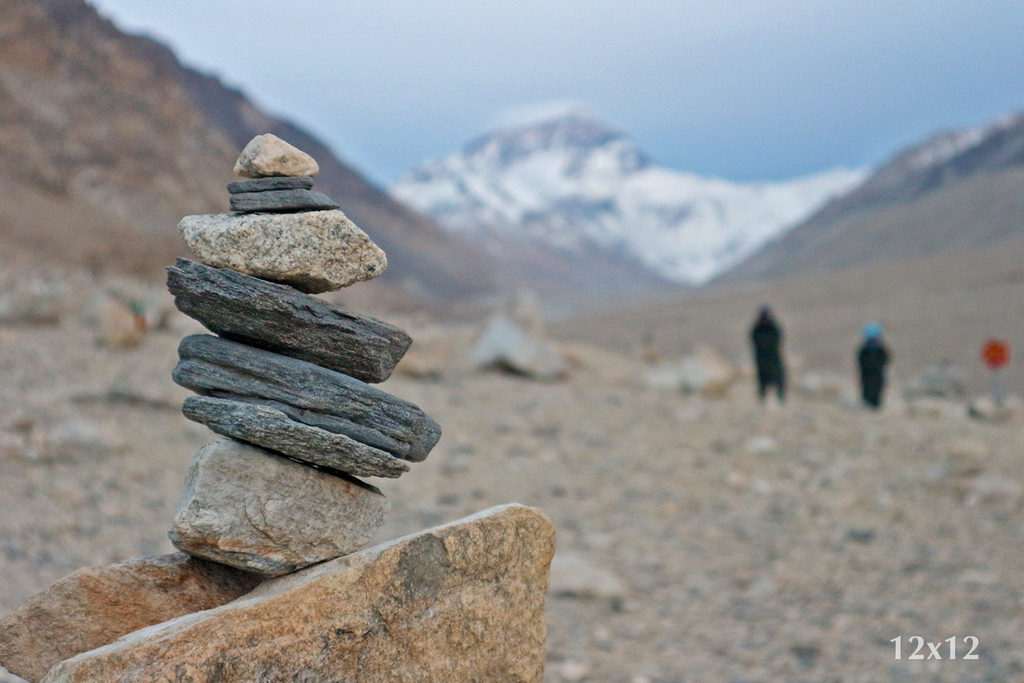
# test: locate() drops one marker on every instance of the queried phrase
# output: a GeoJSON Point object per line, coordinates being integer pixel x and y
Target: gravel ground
{"type": "Point", "coordinates": [750, 543]}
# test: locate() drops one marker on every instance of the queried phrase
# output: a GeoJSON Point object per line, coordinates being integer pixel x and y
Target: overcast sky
{"type": "Point", "coordinates": [743, 89]}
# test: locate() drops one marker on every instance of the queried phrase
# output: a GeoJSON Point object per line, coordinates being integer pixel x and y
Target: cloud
{"type": "Point", "coordinates": [527, 114]}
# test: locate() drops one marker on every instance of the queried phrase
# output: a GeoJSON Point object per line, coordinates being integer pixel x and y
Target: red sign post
{"type": "Point", "coordinates": [996, 354]}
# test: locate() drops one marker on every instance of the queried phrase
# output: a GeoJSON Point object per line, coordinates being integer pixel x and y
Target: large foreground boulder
{"type": "Point", "coordinates": [457, 603]}
{"type": "Point", "coordinates": [97, 605]}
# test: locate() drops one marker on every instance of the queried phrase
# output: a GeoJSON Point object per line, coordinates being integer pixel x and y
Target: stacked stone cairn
{"type": "Point", "coordinates": [287, 378]}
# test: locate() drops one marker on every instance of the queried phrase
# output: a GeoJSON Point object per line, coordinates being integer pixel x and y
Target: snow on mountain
{"type": "Point", "coordinates": [569, 181]}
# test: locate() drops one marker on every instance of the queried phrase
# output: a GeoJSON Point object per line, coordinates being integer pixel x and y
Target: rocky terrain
{"type": "Point", "coordinates": [699, 539]}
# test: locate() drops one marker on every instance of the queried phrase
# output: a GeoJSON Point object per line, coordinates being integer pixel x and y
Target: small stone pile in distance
{"type": "Point", "coordinates": [286, 378]}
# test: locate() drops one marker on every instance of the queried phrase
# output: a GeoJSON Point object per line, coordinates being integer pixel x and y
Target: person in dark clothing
{"type": "Point", "coordinates": [767, 340]}
{"type": "Point", "coordinates": [872, 357]}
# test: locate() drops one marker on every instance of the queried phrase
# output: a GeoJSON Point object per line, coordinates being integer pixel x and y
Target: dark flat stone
{"type": "Point", "coordinates": [278, 201]}
{"type": "Point", "coordinates": [306, 393]}
{"type": "Point", "coordinates": [271, 429]}
{"type": "Point", "coordinates": [282, 319]}
{"type": "Point", "coordinates": [275, 183]}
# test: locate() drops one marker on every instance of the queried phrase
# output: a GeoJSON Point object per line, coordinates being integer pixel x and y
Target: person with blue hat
{"type": "Point", "coordinates": [872, 358]}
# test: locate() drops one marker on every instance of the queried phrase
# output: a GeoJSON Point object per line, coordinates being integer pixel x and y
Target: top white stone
{"type": "Point", "coordinates": [268, 155]}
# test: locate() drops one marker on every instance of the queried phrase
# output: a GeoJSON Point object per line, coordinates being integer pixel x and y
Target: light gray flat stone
{"type": "Point", "coordinates": [254, 510]}
{"type": "Point", "coordinates": [269, 155]}
{"type": "Point", "coordinates": [272, 429]}
{"type": "Point", "coordinates": [313, 251]}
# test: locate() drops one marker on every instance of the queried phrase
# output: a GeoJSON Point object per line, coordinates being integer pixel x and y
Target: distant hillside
{"type": "Point", "coordinates": [959, 189]}
{"type": "Point", "coordinates": [106, 140]}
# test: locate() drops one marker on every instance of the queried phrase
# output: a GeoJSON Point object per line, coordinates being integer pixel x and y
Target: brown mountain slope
{"type": "Point", "coordinates": [960, 189]}
{"type": "Point", "coordinates": [106, 140]}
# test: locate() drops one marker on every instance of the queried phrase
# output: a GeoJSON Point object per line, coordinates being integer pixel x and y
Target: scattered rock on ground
{"type": "Point", "coordinates": [452, 604]}
{"type": "Point", "coordinates": [262, 513]}
{"type": "Point", "coordinates": [575, 576]}
{"type": "Point", "coordinates": [943, 380]}
{"type": "Point", "coordinates": [703, 372]}
{"type": "Point", "coordinates": [504, 345]}
{"type": "Point", "coordinates": [119, 325]}
{"type": "Point", "coordinates": [985, 408]}
{"type": "Point", "coordinates": [97, 605]}
{"type": "Point", "coordinates": [571, 670]}
{"type": "Point", "coordinates": [37, 303]}
{"type": "Point", "coordinates": [65, 439]}
{"type": "Point", "coordinates": [824, 386]}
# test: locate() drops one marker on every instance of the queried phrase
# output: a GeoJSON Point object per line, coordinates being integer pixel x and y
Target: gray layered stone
{"type": "Point", "coordinates": [306, 393]}
{"type": "Point", "coordinates": [265, 184]}
{"type": "Point", "coordinates": [314, 251]}
{"type": "Point", "coordinates": [269, 155]}
{"type": "Point", "coordinates": [280, 319]}
{"type": "Point", "coordinates": [254, 510]}
{"type": "Point", "coordinates": [264, 426]}
{"type": "Point", "coordinates": [281, 200]}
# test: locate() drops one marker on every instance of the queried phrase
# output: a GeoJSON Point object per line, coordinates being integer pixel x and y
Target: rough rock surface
{"type": "Point", "coordinates": [117, 325]}
{"type": "Point", "coordinates": [703, 372]}
{"type": "Point", "coordinates": [461, 602]}
{"type": "Point", "coordinates": [266, 184]}
{"type": "Point", "coordinates": [281, 200]}
{"type": "Point", "coordinates": [307, 393]}
{"type": "Point", "coordinates": [279, 318]}
{"type": "Point", "coordinates": [266, 514]}
{"type": "Point", "coordinates": [314, 251]}
{"type": "Point", "coordinates": [506, 346]}
{"type": "Point", "coordinates": [269, 155]}
{"type": "Point", "coordinates": [274, 430]}
{"type": "Point", "coordinates": [97, 605]}
{"type": "Point", "coordinates": [7, 677]}
{"type": "Point", "coordinates": [572, 575]}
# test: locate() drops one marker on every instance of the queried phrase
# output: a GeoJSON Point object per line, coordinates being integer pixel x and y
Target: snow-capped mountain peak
{"type": "Point", "coordinates": [571, 182]}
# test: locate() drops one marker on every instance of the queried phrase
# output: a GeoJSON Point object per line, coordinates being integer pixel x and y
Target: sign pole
{"type": "Point", "coordinates": [997, 389]}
